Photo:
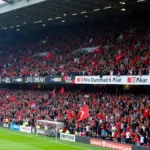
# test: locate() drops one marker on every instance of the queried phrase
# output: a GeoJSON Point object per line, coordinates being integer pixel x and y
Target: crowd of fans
{"type": "Point", "coordinates": [123, 51]}
{"type": "Point", "coordinates": [117, 117]}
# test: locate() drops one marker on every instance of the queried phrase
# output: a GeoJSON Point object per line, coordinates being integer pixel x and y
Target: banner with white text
{"type": "Point", "coordinates": [67, 137]}
{"type": "Point", "coordinates": [25, 129]}
{"type": "Point", "coordinates": [113, 80]}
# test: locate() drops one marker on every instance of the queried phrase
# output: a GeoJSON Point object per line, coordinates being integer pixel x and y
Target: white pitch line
{"type": "Point", "coordinates": [30, 136]}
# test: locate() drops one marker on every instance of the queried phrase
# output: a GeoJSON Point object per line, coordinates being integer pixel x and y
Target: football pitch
{"type": "Point", "coordinates": [13, 140]}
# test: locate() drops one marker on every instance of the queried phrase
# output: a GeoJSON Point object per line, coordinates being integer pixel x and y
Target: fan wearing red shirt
{"type": "Point", "coordinates": [118, 126]}
{"type": "Point", "coordinates": [146, 112]}
{"type": "Point", "coordinates": [115, 136]}
{"type": "Point", "coordinates": [118, 136]}
{"type": "Point", "coordinates": [136, 139]}
{"type": "Point", "coordinates": [132, 134]}
{"type": "Point", "coordinates": [123, 136]}
{"type": "Point", "coordinates": [148, 145]}
{"type": "Point", "coordinates": [128, 127]}
{"type": "Point", "coordinates": [83, 133]}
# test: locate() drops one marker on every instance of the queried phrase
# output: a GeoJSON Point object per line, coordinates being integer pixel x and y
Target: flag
{"type": "Point", "coordinates": [5, 107]}
{"type": "Point", "coordinates": [94, 63]}
{"type": "Point", "coordinates": [62, 90]}
{"type": "Point", "coordinates": [102, 117]}
{"type": "Point", "coordinates": [33, 106]}
{"type": "Point", "coordinates": [48, 56]}
{"type": "Point", "coordinates": [69, 114]}
{"type": "Point", "coordinates": [84, 113]}
{"type": "Point", "coordinates": [12, 98]}
{"type": "Point", "coordinates": [53, 92]}
{"type": "Point", "coordinates": [98, 50]}
{"type": "Point", "coordinates": [118, 57]}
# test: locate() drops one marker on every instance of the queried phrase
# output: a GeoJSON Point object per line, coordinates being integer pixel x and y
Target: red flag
{"type": "Point", "coordinates": [94, 63]}
{"type": "Point", "coordinates": [12, 98]}
{"type": "Point", "coordinates": [62, 90]}
{"type": "Point", "coordinates": [84, 113]}
{"type": "Point", "coordinates": [48, 56]}
{"type": "Point", "coordinates": [101, 117]}
{"type": "Point", "coordinates": [146, 113]}
{"type": "Point", "coordinates": [98, 50]}
{"type": "Point", "coordinates": [118, 57]}
{"type": "Point", "coordinates": [69, 114]}
{"type": "Point", "coordinates": [5, 107]}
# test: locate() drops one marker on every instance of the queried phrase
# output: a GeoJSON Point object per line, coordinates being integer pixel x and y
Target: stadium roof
{"type": "Point", "coordinates": [15, 14]}
{"type": "Point", "coordinates": [2, 2]}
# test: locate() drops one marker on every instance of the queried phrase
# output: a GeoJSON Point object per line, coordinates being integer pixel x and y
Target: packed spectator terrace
{"type": "Point", "coordinates": [117, 117]}
{"type": "Point", "coordinates": [122, 50]}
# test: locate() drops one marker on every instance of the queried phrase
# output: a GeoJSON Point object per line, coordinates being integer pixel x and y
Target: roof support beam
{"type": "Point", "coordinates": [18, 4]}
{"type": "Point", "coordinates": [8, 1]}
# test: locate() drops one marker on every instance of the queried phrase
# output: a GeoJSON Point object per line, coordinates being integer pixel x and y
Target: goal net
{"type": "Point", "coordinates": [48, 128]}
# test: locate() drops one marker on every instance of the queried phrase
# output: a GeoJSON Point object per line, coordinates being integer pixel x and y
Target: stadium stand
{"type": "Point", "coordinates": [115, 49]}
{"type": "Point", "coordinates": [121, 118]}
{"type": "Point", "coordinates": [124, 52]}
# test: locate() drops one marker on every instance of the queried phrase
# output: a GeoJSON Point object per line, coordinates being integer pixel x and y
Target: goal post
{"type": "Point", "coordinates": [49, 128]}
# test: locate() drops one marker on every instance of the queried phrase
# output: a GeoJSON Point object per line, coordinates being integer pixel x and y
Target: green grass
{"type": "Point", "coordinates": [13, 140]}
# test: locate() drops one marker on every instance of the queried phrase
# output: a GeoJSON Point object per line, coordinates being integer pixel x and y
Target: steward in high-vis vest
{"type": "Point", "coordinates": [76, 133]}
{"type": "Point", "coordinates": [7, 121]}
{"type": "Point", "coordinates": [25, 124]}
{"type": "Point", "coordinates": [60, 131]}
{"type": "Point", "coordinates": [67, 132]}
{"type": "Point", "coordinates": [38, 127]}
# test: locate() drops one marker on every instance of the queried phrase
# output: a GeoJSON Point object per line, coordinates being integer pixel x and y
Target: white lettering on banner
{"type": "Point", "coordinates": [16, 127]}
{"type": "Point", "coordinates": [5, 125]}
{"type": "Point", "coordinates": [35, 80]}
{"type": "Point", "coordinates": [68, 79]}
{"type": "Point", "coordinates": [67, 137]}
{"type": "Point", "coordinates": [112, 145]}
{"type": "Point", "coordinates": [40, 132]}
{"type": "Point", "coordinates": [25, 129]}
{"type": "Point", "coordinates": [115, 80]}
{"type": "Point", "coordinates": [32, 130]}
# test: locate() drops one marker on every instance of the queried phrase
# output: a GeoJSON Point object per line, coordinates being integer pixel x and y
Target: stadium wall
{"type": "Point", "coordinates": [81, 139]}
{"type": "Point", "coordinates": [134, 147]}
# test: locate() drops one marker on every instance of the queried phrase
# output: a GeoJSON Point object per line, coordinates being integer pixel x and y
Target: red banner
{"type": "Point", "coordinates": [112, 145]}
